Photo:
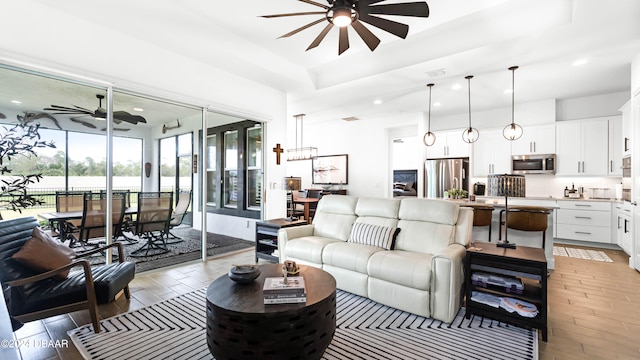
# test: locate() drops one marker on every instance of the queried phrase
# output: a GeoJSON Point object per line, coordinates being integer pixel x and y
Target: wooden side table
{"type": "Point", "coordinates": [267, 237]}
{"type": "Point", "coordinates": [527, 263]}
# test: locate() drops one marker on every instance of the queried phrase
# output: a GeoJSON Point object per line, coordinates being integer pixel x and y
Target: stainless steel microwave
{"type": "Point", "coordinates": [533, 164]}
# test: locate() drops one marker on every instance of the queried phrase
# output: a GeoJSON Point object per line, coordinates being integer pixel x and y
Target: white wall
{"type": "Point", "coordinates": [591, 106]}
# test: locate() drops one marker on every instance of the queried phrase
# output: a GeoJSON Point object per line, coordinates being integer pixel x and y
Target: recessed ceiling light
{"type": "Point", "coordinates": [436, 104]}
{"type": "Point", "coordinates": [138, 109]}
{"type": "Point", "coordinates": [579, 62]}
{"type": "Point", "coordinates": [456, 87]}
{"type": "Point", "coordinates": [377, 101]}
{"type": "Point", "coordinates": [18, 102]}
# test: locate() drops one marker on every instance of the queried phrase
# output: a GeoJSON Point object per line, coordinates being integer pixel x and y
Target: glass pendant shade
{"type": "Point", "coordinates": [470, 134]}
{"type": "Point", "coordinates": [512, 131]}
{"type": "Point", "coordinates": [429, 138]}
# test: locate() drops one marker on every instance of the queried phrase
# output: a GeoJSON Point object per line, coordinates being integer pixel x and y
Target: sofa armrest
{"type": "Point", "coordinates": [31, 279]}
{"type": "Point", "coordinates": [447, 282]}
{"type": "Point", "coordinates": [290, 233]}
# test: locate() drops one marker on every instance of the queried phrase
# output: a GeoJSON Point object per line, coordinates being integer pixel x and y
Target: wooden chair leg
{"type": "Point", "coordinates": [127, 293]}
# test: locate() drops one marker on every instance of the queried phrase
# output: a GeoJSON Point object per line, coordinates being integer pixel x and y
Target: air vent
{"type": "Point", "coordinates": [436, 73]}
{"type": "Point", "coordinates": [350, 118]}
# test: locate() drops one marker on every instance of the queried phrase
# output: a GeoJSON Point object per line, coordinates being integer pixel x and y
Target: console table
{"type": "Point", "coordinates": [526, 263]}
{"type": "Point", "coordinates": [241, 326]}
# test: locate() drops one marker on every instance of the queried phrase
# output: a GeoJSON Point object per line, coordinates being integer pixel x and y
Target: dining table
{"type": "Point", "coordinates": [57, 218]}
{"type": "Point", "coordinates": [306, 202]}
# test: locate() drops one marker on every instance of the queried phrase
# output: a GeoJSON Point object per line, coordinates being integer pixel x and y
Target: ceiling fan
{"type": "Point", "coordinates": [99, 113]}
{"type": "Point", "coordinates": [342, 13]}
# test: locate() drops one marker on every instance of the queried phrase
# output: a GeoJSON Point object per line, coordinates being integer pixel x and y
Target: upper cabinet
{"type": "Point", "coordinates": [491, 154]}
{"type": "Point", "coordinates": [582, 147]}
{"type": "Point", "coordinates": [448, 144]}
{"type": "Point", "coordinates": [539, 139]}
{"type": "Point", "coordinates": [615, 150]}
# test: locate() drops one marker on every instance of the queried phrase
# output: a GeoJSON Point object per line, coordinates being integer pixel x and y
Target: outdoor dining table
{"type": "Point", "coordinates": [58, 217]}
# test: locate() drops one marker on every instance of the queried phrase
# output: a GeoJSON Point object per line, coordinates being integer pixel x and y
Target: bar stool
{"type": "Point", "coordinates": [528, 218]}
{"type": "Point", "coordinates": [482, 214]}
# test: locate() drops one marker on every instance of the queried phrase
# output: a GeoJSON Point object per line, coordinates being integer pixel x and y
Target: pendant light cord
{"type": "Point", "coordinates": [513, 93]}
{"type": "Point", "coordinates": [469, 77]}
{"type": "Point", "coordinates": [429, 122]}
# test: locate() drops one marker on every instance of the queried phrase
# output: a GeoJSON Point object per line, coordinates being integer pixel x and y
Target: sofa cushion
{"type": "Point", "coordinates": [427, 225]}
{"type": "Point", "coordinates": [370, 234]}
{"type": "Point", "coordinates": [405, 268]}
{"type": "Point", "coordinates": [44, 254]}
{"type": "Point", "coordinates": [334, 216]}
{"type": "Point", "coordinates": [308, 248]}
{"type": "Point", "coordinates": [429, 210]}
{"type": "Point", "coordinates": [349, 256]}
{"type": "Point", "coordinates": [378, 207]}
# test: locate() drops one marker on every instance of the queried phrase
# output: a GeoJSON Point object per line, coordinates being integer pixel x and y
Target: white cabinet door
{"type": "Point", "coordinates": [582, 148]}
{"type": "Point", "coordinates": [615, 150]}
{"type": "Point", "coordinates": [448, 144]}
{"type": "Point", "coordinates": [595, 147]}
{"type": "Point", "coordinates": [625, 140]}
{"type": "Point", "coordinates": [538, 139]}
{"type": "Point", "coordinates": [568, 148]}
{"type": "Point", "coordinates": [491, 154]}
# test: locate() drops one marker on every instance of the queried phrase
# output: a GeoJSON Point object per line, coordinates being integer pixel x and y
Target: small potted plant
{"type": "Point", "coordinates": [456, 194]}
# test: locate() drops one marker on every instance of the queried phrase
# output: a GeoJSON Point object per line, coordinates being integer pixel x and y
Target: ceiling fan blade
{"type": "Point", "coordinates": [116, 129]}
{"type": "Point", "coordinates": [125, 116]}
{"type": "Point", "coordinates": [367, 36]}
{"type": "Point", "coordinates": [294, 14]}
{"type": "Point", "coordinates": [320, 37]}
{"type": "Point", "coordinates": [343, 45]}
{"type": "Point", "coordinates": [85, 123]}
{"type": "Point", "coordinates": [302, 28]}
{"type": "Point", "coordinates": [75, 109]}
{"type": "Point", "coordinates": [390, 26]}
{"type": "Point", "coordinates": [315, 3]}
{"type": "Point", "coordinates": [418, 9]}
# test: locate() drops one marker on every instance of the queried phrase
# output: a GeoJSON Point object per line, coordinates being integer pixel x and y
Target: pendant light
{"type": "Point", "coordinates": [512, 131]}
{"type": "Point", "coordinates": [429, 138]}
{"type": "Point", "coordinates": [470, 134]}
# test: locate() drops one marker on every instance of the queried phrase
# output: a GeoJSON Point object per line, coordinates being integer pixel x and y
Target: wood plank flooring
{"type": "Point", "coordinates": [594, 307]}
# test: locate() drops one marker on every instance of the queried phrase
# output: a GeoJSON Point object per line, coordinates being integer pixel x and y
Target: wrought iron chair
{"type": "Point", "coordinates": [179, 212]}
{"type": "Point", "coordinates": [152, 222]}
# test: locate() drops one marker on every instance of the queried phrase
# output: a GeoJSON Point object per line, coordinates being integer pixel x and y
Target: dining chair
{"type": "Point", "coordinates": [94, 219]}
{"type": "Point", "coordinates": [179, 212]}
{"type": "Point", "coordinates": [527, 218]}
{"type": "Point", "coordinates": [152, 222]}
{"type": "Point", "coordinates": [126, 220]}
{"type": "Point", "coordinates": [68, 201]}
{"type": "Point", "coordinates": [314, 194]}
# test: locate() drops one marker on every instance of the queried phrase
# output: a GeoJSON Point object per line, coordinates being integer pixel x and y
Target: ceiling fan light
{"type": "Point", "coordinates": [341, 17]}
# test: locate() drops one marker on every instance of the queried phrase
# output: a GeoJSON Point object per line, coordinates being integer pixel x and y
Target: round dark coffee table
{"type": "Point", "coordinates": [241, 326]}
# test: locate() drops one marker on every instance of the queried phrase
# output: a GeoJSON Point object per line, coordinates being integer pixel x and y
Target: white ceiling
{"type": "Point", "coordinates": [463, 37]}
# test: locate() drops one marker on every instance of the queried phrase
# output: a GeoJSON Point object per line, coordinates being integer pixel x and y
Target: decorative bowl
{"type": "Point", "coordinates": [244, 274]}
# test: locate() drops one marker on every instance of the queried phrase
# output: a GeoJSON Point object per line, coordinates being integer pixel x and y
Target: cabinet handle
{"type": "Point", "coordinates": [583, 217]}
{"type": "Point", "coordinates": [626, 230]}
{"type": "Point", "coordinates": [626, 144]}
{"type": "Point", "coordinates": [582, 205]}
{"type": "Point", "coordinates": [582, 232]}
{"type": "Point", "coordinates": [611, 165]}
{"type": "Point", "coordinates": [578, 166]}
{"type": "Point", "coordinates": [619, 222]}
{"type": "Point", "coordinates": [534, 146]}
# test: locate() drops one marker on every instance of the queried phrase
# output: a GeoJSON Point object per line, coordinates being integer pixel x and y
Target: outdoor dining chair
{"type": "Point", "coordinates": [66, 202]}
{"type": "Point", "coordinates": [184, 200]}
{"type": "Point", "coordinates": [152, 222]}
{"type": "Point", "coordinates": [94, 219]}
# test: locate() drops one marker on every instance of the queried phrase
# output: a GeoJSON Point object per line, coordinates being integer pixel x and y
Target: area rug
{"type": "Point", "coordinates": [186, 250]}
{"type": "Point", "coordinates": [586, 254]}
{"type": "Point", "coordinates": [176, 329]}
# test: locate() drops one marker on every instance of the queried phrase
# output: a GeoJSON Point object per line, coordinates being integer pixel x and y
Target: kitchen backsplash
{"type": "Point", "coordinates": [549, 185]}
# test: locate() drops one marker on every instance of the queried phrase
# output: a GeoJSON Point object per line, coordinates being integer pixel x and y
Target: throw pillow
{"type": "Point", "coordinates": [44, 254]}
{"type": "Point", "coordinates": [376, 235]}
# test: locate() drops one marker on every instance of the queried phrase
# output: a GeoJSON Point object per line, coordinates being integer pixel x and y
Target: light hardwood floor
{"type": "Point", "coordinates": [594, 307]}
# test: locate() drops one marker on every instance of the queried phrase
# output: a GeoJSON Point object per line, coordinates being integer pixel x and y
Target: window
{"type": "Point", "coordinates": [234, 169]}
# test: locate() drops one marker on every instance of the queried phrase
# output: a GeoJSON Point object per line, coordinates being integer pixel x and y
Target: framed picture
{"type": "Point", "coordinates": [330, 170]}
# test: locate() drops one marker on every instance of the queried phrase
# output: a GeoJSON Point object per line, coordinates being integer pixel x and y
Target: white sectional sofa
{"type": "Point", "coordinates": [421, 274]}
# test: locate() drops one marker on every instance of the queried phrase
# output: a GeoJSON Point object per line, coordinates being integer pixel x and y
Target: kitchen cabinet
{"type": "Point", "coordinates": [615, 150]}
{"type": "Point", "coordinates": [538, 139]}
{"type": "Point", "coordinates": [622, 226]}
{"type": "Point", "coordinates": [584, 221]}
{"type": "Point", "coordinates": [582, 147]}
{"type": "Point", "coordinates": [448, 144]}
{"type": "Point", "coordinates": [627, 129]}
{"type": "Point", "coordinates": [491, 154]}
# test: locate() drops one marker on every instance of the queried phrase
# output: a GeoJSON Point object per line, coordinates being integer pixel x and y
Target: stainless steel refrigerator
{"type": "Point", "coordinates": [441, 175]}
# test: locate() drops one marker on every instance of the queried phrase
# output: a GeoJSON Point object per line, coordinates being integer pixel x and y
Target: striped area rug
{"type": "Point", "coordinates": [577, 253]}
{"type": "Point", "coordinates": [176, 329]}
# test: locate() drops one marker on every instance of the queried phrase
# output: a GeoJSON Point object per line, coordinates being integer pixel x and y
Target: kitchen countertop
{"type": "Point", "coordinates": [489, 199]}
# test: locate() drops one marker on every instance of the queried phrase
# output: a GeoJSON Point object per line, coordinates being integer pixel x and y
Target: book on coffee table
{"type": "Point", "coordinates": [276, 286]}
